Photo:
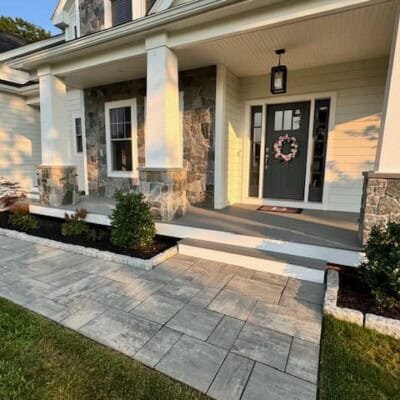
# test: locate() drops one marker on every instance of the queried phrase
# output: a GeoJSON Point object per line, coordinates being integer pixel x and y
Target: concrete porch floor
{"type": "Point", "coordinates": [230, 332]}
{"type": "Point", "coordinates": [321, 228]}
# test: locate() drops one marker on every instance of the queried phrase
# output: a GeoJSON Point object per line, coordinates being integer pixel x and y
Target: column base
{"type": "Point", "coordinates": [58, 185]}
{"type": "Point", "coordinates": [380, 202]}
{"type": "Point", "coordinates": [165, 190]}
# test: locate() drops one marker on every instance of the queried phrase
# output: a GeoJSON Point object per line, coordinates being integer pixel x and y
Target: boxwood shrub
{"type": "Point", "coordinates": [381, 271]}
{"type": "Point", "coordinates": [132, 224]}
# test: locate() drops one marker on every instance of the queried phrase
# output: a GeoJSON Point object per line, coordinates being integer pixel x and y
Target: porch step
{"type": "Point", "coordinates": [309, 269]}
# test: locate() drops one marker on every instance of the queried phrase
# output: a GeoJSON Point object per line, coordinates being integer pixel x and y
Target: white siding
{"type": "Point", "coordinates": [20, 151]}
{"type": "Point", "coordinates": [352, 142]}
{"type": "Point", "coordinates": [76, 110]}
{"type": "Point", "coordinates": [72, 21]}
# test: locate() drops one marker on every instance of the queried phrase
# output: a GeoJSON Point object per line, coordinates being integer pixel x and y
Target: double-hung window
{"type": "Point", "coordinates": [121, 138]}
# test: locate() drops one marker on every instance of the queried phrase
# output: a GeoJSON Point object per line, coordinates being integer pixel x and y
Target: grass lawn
{"type": "Point", "coordinates": [357, 363]}
{"type": "Point", "coordinates": [42, 360]}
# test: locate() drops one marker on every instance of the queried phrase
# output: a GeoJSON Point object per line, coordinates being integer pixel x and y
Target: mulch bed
{"type": "Point", "coordinates": [50, 228]}
{"type": "Point", "coordinates": [354, 294]}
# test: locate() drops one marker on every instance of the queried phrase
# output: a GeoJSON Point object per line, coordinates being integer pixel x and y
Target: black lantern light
{"type": "Point", "coordinates": [279, 75]}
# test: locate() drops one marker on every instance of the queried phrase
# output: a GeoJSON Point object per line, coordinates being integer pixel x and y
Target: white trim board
{"type": "Point", "coordinates": [332, 255]}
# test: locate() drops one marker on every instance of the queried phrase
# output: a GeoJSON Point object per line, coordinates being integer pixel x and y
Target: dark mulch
{"type": "Point", "coordinates": [50, 228]}
{"type": "Point", "coordinates": [354, 294]}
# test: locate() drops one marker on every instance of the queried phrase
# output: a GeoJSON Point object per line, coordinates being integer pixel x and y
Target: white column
{"type": "Point", "coordinates": [56, 141]}
{"type": "Point", "coordinates": [163, 138]}
{"type": "Point", "coordinates": [387, 157]}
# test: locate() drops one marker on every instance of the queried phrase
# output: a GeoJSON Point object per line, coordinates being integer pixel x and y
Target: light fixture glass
{"type": "Point", "coordinates": [279, 76]}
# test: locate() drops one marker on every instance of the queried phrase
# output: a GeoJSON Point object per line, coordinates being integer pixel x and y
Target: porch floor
{"type": "Point", "coordinates": [321, 228]}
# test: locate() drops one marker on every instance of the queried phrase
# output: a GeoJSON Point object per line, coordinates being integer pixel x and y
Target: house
{"type": "Point", "coordinates": [173, 98]}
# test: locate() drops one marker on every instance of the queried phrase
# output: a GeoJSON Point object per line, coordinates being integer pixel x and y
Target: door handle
{"type": "Point", "coordinates": [266, 157]}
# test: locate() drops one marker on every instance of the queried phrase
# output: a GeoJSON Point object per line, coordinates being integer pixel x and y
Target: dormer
{"type": "Point", "coordinates": [82, 17]}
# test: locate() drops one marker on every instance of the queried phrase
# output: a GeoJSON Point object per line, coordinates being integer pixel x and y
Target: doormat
{"type": "Point", "coordinates": [288, 210]}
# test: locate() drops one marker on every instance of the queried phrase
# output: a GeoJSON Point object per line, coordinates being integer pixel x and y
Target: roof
{"type": "Point", "coordinates": [9, 42]}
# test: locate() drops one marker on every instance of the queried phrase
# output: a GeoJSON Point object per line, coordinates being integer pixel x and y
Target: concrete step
{"type": "Point", "coordinates": [309, 269]}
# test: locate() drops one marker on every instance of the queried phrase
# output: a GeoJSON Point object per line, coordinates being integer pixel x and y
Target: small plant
{"type": "Point", "coordinates": [21, 218]}
{"type": "Point", "coordinates": [76, 226]}
{"type": "Point", "coordinates": [132, 224]}
{"type": "Point", "coordinates": [10, 193]}
{"type": "Point", "coordinates": [381, 273]}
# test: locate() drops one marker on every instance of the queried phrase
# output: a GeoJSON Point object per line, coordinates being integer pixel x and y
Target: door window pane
{"type": "Point", "coordinates": [320, 141]}
{"type": "Point", "coordinates": [278, 120]}
{"type": "Point", "coordinates": [255, 149]}
{"type": "Point", "coordinates": [122, 155]}
{"type": "Point", "coordinates": [287, 120]}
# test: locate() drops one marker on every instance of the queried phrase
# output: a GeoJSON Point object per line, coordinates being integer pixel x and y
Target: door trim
{"type": "Point", "coordinates": [246, 149]}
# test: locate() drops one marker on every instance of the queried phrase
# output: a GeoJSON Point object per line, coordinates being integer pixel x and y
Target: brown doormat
{"type": "Point", "coordinates": [288, 210]}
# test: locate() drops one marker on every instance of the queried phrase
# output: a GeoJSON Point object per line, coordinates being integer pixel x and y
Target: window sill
{"type": "Point", "coordinates": [123, 174]}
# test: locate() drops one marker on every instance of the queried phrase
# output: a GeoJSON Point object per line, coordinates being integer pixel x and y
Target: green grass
{"type": "Point", "coordinates": [357, 363]}
{"type": "Point", "coordinates": [42, 360]}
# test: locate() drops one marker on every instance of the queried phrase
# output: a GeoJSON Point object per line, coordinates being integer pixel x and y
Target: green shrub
{"type": "Point", "coordinates": [381, 272]}
{"type": "Point", "coordinates": [76, 226]}
{"type": "Point", "coordinates": [22, 219]}
{"type": "Point", "coordinates": [132, 225]}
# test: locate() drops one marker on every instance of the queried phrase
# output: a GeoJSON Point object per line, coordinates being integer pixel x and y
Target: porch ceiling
{"type": "Point", "coordinates": [352, 35]}
{"type": "Point", "coordinates": [356, 34]}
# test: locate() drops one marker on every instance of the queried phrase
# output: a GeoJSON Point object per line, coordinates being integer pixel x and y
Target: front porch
{"type": "Point", "coordinates": [198, 124]}
{"type": "Point", "coordinates": [326, 235]}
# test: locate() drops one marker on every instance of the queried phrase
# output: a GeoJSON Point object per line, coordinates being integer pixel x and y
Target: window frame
{"type": "Point", "coordinates": [74, 118]}
{"type": "Point", "coordinates": [132, 103]}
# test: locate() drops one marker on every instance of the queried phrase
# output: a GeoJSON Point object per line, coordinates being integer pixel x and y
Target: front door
{"type": "Point", "coordinates": [286, 150]}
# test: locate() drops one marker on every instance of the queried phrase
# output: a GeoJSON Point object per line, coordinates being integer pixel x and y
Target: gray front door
{"type": "Point", "coordinates": [285, 179]}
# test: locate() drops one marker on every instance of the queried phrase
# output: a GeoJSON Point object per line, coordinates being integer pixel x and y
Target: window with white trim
{"type": "Point", "coordinates": [78, 135]}
{"type": "Point", "coordinates": [121, 11]}
{"type": "Point", "coordinates": [121, 138]}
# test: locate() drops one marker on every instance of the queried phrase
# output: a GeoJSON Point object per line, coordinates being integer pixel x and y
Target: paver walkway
{"type": "Point", "coordinates": [230, 332]}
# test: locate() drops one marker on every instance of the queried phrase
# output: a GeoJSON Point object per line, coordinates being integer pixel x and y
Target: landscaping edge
{"type": "Point", "coordinates": [387, 326]}
{"type": "Point", "coordinates": [90, 252]}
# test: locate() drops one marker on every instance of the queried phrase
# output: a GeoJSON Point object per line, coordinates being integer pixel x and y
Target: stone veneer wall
{"type": "Point", "coordinates": [95, 99]}
{"type": "Point", "coordinates": [164, 190]}
{"type": "Point", "coordinates": [380, 203]}
{"type": "Point", "coordinates": [58, 185]}
{"type": "Point", "coordinates": [91, 16]}
{"type": "Point", "coordinates": [199, 87]}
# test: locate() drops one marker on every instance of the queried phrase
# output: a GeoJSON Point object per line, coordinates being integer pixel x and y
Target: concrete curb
{"type": "Point", "coordinates": [387, 326]}
{"type": "Point", "coordinates": [90, 252]}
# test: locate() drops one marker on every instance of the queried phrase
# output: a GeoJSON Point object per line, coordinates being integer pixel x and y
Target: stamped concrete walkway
{"type": "Point", "coordinates": [230, 332]}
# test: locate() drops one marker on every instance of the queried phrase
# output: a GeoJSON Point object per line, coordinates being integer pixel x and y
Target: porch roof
{"type": "Point", "coordinates": [313, 42]}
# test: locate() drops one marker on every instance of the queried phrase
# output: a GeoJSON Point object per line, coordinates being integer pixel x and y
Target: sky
{"type": "Point", "coordinates": [38, 12]}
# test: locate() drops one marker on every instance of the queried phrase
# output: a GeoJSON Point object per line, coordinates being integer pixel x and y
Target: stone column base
{"type": "Point", "coordinates": [380, 202]}
{"type": "Point", "coordinates": [165, 191]}
{"type": "Point", "coordinates": [58, 185]}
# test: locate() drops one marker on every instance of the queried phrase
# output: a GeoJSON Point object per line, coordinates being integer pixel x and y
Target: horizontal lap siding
{"type": "Point", "coordinates": [20, 150]}
{"type": "Point", "coordinates": [234, 142]}
{"type": "Point", "coordinates": [359, 87]}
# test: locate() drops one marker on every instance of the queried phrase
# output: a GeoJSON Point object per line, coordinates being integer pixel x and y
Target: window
{"type": "Point", "coordinates": [255, 149]}
{"type": "Point", "coordinates": [121, 11]}
{"type": "Point", "coordinates": [78, 135]}
{"type": "Point", "coordinates": [320, 141]}
{"type": "Point", "coordinates": [121, 138]}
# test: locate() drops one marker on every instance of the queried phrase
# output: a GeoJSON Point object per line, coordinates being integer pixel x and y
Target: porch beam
{"type": "Point", "coordinates": [163, 137]}
{"type": "Point", "coordinates": [387, 158]}
{"type": "Point", "coordinates": [55, 139]}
